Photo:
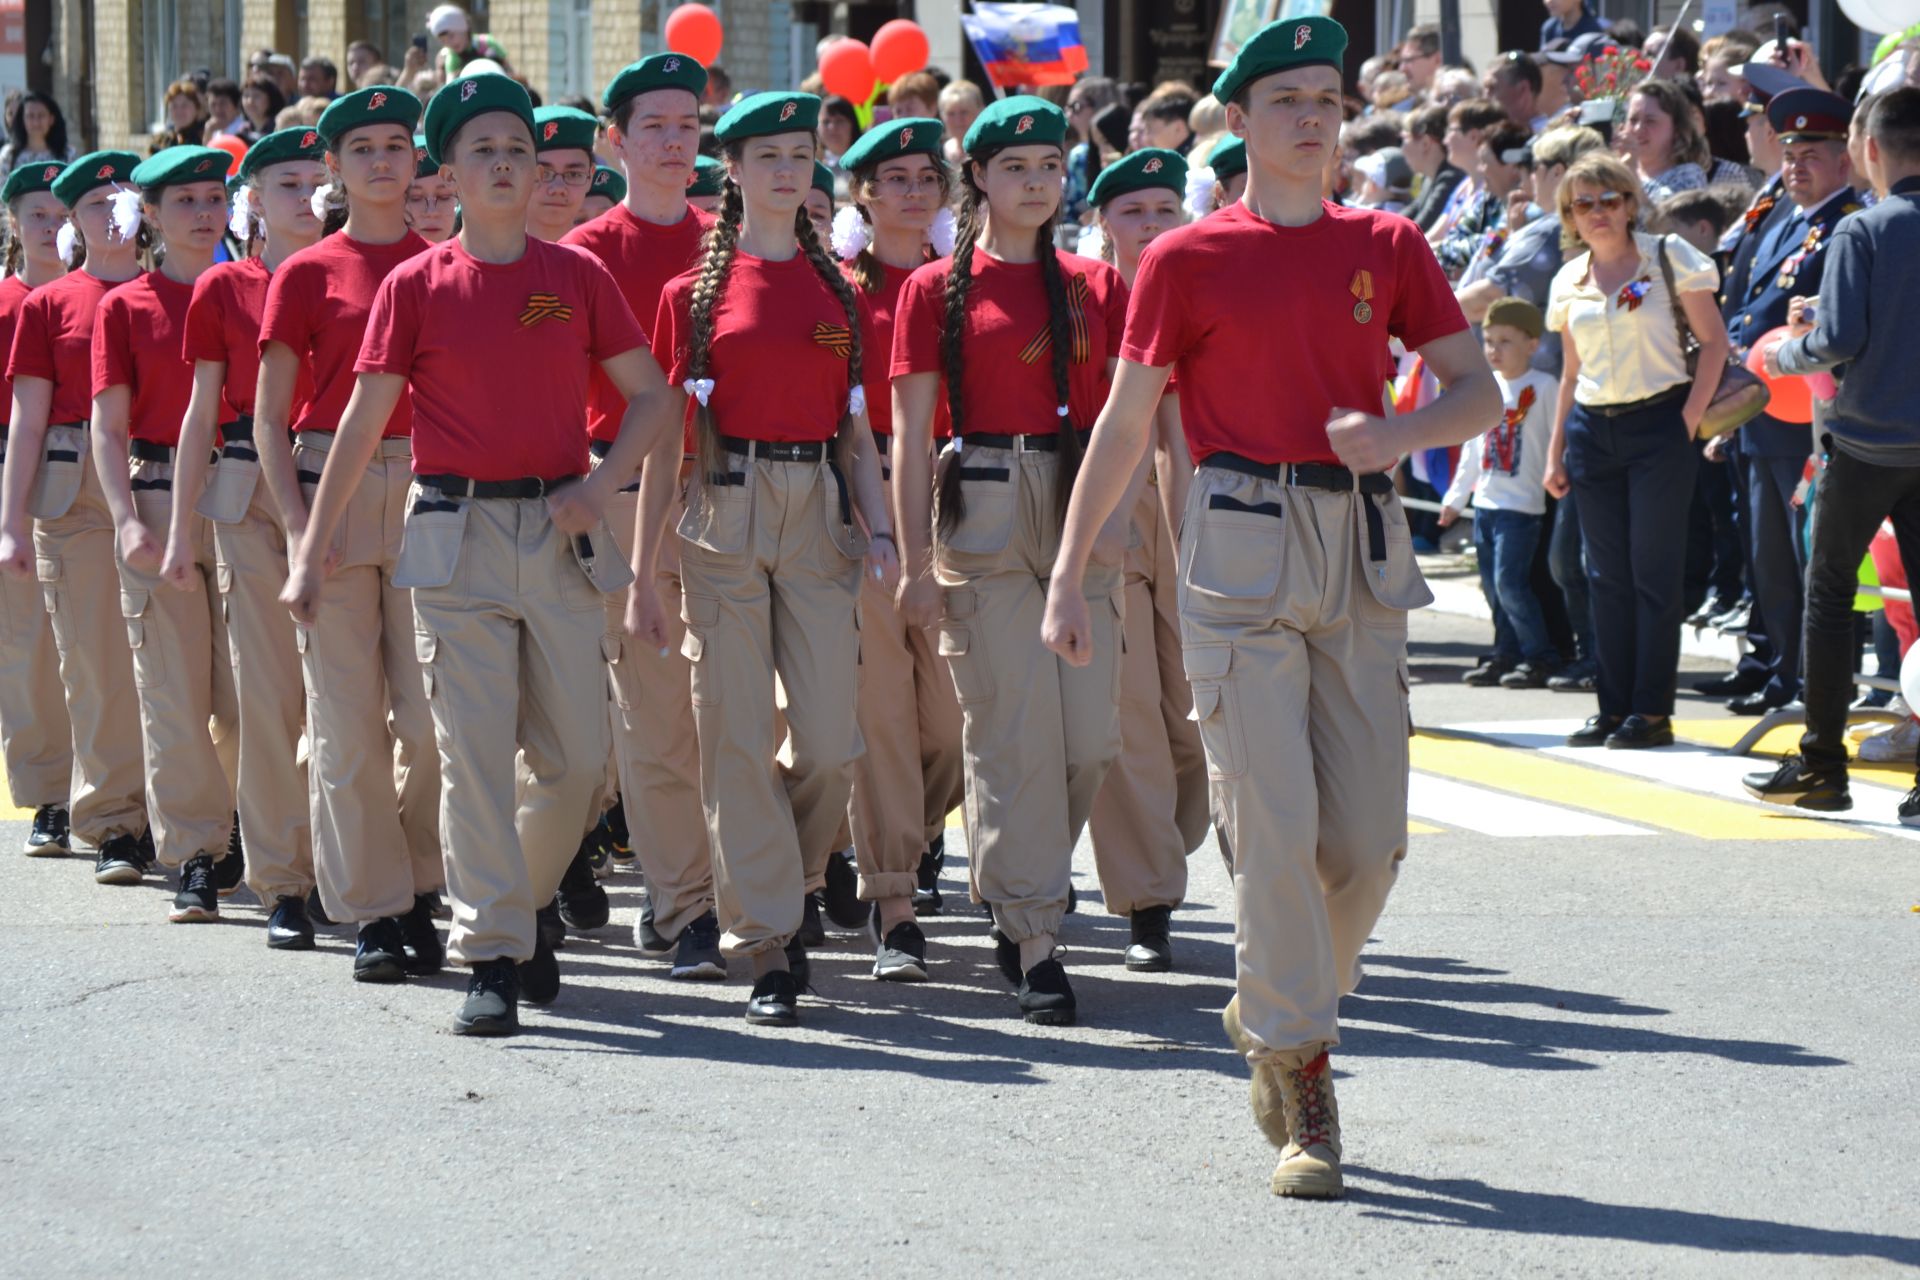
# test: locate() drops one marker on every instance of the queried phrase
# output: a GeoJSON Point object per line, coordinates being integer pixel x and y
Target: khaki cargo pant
{"type": "Point", "coordinates": [1040, 734]}
{"type": "Point", "coordinates": [511, 649]}
{"type": "Point", "coordinates": [771, 574]}
{"type": "Point", "coordinates": [373, 771]}
{"type": "Point", "coordinates": [1153, 809]}
{"type": "Point", "coordinates": [655, 746]}
{"type": "Point", "coordinates": [184, 673]}
{"type": "Point", "coordinates": [1296, 649]}
{"type": "Point", "coordinates": [34, 730]}
{"type": "Point", "coordinates": [76, 563]}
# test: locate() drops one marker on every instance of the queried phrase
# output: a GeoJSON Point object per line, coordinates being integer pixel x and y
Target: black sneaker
{"type": "Point", "coordinates": [799, 966]}
{"type": "Point", "coordinates": [1595, 732]}
{"type": "Point", "coordinates": [288, 928]}
{"type": "Point", "coordinates": [198, 901]}
{"type": "Point", "coordinates": [149, 853]}
{"type": "Point", "coordinates": [1045, 995]}
{"type": "Point", "coordinates": [1073, 899]}
{"type": "Point", "coordinates": [380, 953]}
{"type": "Point", "coordinates": [582, 902]}
{"type": "Point", "coordinates": [650, 940]}
{"type": "Point", "coordinates": [1576, 677]}
{"type": "Point", "coordinates": [598, 851]}
{"type": "Point", "coordinates": [120, 862]}
{"type": "Point", "coordinates": [619, 839]}
{"type": "Point", "coordinates": [926, 892]}
{"type": "Point", "coordinates": [231, 871]}
{"type": "Point", "coordinates": [49, 837]}
{"type": "Point", "coordinates": [554, 929]}
{"type": "Point", "coordinates": [1006, 954]}
{"type": "Point", "coordinates": [540, 976]}
{"type": "Point", "coordinates": [1488, 672]}
{"type": "Point", "coordinates": [493, 1001]}
{"type": "Point", "coordinates": [698, 958]}
{"type": "Point", "coordinates": [1529, 675]}
{"type": "Point", "coordinates": [425, 953]}
{"type": "Point", "coordinates": [1910, 809]}
{"type": "Point", "coordinates": [902, 955]}
{"type": "Point", "coordinates": [1803, 787]}
{"type": "Point", "coordinates": [812, 932]}
{"type": "Point", "coordinates": [316, 912]}
{"type": "Point", "coordinates": [1152, 948]}
{"type": "Point", "coordinates": [775, 1001]}
{"type": "Point", "coordinates": [841, 896]}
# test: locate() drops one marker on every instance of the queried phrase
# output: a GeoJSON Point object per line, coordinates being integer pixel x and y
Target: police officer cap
{"type": "Point", "coordinates": [910, 135]}
{"type": "Point", "coordinates": [764, 114]}
{"type": "Point", "coordinates": [1764, 81]}
{"type": "Point", "coordinates": [707, 176]}
{"type": "Point", "coordinates": [1020, 121]}
{"type": "Point", "coordinates": [823, 179]}
{"type": "Point", "coordinates": [177, 166]}
{"type": "Point", "coordinates": [1144, 170]}
{"type": "Point", "coordinates": [1808, 114]}
{"type": "Point", "coordinates": [563, 129]}
{"type": "Point", "coordinates": [1228, 158]}
{"type": "Point", "coordinates": [375, 104]}
{"type": "Point", "coordinates": [467, 97]}
{"type": "Point", "coordinates": [28, 178]}
{"type": "Point", "coordinates": [608, 182]}
{"type": "Point", "coordinates": [1280, 46]}
{"type": "Point", "coordinates": [661, 71]}
{"type": "Point", "coordinates": [282, 145]}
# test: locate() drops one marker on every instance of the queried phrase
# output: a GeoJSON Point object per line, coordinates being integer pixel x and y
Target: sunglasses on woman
{"type": "Point", "coordinates": [1606, 202]}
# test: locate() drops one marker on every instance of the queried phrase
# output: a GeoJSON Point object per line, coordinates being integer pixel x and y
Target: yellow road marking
{"type": "Point", "coordinates": [1415, 828]}
{"type": "Point", "coordinates": [1724, 733]}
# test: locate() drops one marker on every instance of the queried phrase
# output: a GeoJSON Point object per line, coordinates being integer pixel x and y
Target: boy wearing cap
{"type": "Point", "coordinates": [563, 140]}
{"type": "Point", "coordinates": [1297, 567]}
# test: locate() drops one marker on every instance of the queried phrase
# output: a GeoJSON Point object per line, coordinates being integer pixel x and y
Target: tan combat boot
{"type": "Point", "coordinates": [1264, 1096]}
{"type": "Point", "coordinates": [1310, 1163]}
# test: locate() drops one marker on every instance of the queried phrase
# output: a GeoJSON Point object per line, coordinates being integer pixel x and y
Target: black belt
{"type": "Point", "coordinates": [1020, 444]}
{"type": "Point", "coordinates": [461, 487]}
{"type": "Point", "coordinates": [1640, 406]}
{"type": "Point", "coordinates": [237, 439]}
{"type": "Point", "coordinates": [1318, 475]}
{"type": "Point", "coordinates": [777, 450]}
{"type": "Point", "coordinates": [600, 449]}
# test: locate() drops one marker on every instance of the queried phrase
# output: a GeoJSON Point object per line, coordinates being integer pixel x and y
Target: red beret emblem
{"type": "Point", "coordinates": [786, 112]}
{"type": "Point", "coordinates": [468, 89]}
{"type": "Point", "coordinates": [52, 172]}
{"type": "Point", "coordinates": [1025, 123]}
{"type": "Point", "coordinates": [376, 102]}
{"type": "Point", "coordinates": [1152, 166]}
{"type": "Point", "coordinates": [906, 135]}
{"type": "Point", "coordinates": [670, 66]}
{"type": "Point", "coordinates": [552, 127]}
{"type": "Point", "coordinates": [1302, 34]}
{"type": "Point", "coordinates": [308, 138]}
{"type": "Point", "coordinates": [202, 166]}
{"type": "Point", "coordinates": [105, 174]}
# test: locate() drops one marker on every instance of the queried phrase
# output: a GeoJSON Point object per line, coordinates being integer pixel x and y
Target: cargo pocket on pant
{"type": "Point", "coordinates": [1208, 668]}
{"type": "Point", "coordinates": [230, 487]}
{"type": "Point", "coordinates": [1233, 568]}
{"type": "Point", "coordinates": [719, 513]}
{"type": "Point", "coordinates": [149, 672]}
{"type": "Point", "coordinates": [426, 647]}
{"type": "Point", "coordinates": [985, 525]}
{"type": "Point", "coordinates": [701, 614]}
{"type": "Point", "coordinates": [62, 468]}
{"type": "Point", "coordinates": [613, 649]}
{"type": "Point", "coordinates": [603, 570]}
{"type": "Point", "coordinates": [431, 544]}
{"type": "Point", "coordinates": [48, 569]}
{"type": "Point", "coordinates": [972, 678]}
{"type": "Point", "coordinates": [1395, 584]}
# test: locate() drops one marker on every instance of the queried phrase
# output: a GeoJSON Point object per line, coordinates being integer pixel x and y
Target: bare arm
{"type": "Point", "coordinates": [26, 446]}
{"type": "Point", "coordinates": [914, 397]}
{"type": "Point", "coordinates": [1469, 401]}
{"type": "Point", "coordinates": [138, 545]}
{"type": "Point", "coordinates": [374, 396]}
{"type": "Point", "coordinates": [1475, 298]}
{"type": "Point", "coordinates": [659, 473]}
{"type": "Point", "coordinates": [860, 462]}
{"type": "Point", "coordinates": [1556, 478]}
{"type": "Point", "coordinates": [190, 466]}
{"type": "Point", "coordinates": [272, 418]}
{"type": "Point", "coordinates": [634, 374]}
{"type": "Point", "coordinates": [1711, 330]}
{"type": "Point", "coordinates": [1173, 464]}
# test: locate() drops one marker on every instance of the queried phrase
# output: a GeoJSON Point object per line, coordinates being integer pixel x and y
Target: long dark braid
{"type": "Point", "coordinates": [837, 284]}
{"type": "Point", "coordinates": [1059, 323]}
{"type": "Point", "coordinates": [16, 256]}
{"type": "Point", "coordinates": [715, 263]}
{"type": "Point", "coordinates": [868, 271]}
{"type": "Point", "coordinates": [952, 501]}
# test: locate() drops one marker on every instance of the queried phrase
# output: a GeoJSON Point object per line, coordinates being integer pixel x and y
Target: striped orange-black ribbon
{"type": "Point", "coordinates": [1082, 336]}
{"type": "Point", "coordinates": [836, 338]}
{"type": "Point", "coordinates": [545, 306]}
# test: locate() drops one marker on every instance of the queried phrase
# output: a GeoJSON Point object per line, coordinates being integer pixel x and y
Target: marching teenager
{"type": "Point", "coordinates": [278, 175]}
{"type": "Point", "coordinates": [376, 828]}
{"type": "Point", "coordinates": [910, 777]}
{"type": "Point", "coordinates": [820, 202]}
{"type": "Point", "coordinates": [769, 339]}
{"type": "Point", "coordinates": [704, 194]}
{"type": "Point", "coordinates": [51, 481]}
{"type": "Point", "coordinates": [564, 138]}
{"type": "Point", "coordinates": [1222, 182]}
{"type": "Point", "coordinates": [653, 106]}
{"type": "Point", "coordinates": [1152, 810]}
{"type": "Point", "coordinates": [432, 211]}
{"type": "Point", "coordinates": [1020, 341]}
{"type": "Point", "coordinates": [505, 549]}
{"type": "Point", "coordinates": [33, 715]}
{"type": "Point", "coordinates": [181, 662]}
{"type": "Point", "coordinates": [606, 190]}
{"type": "Point", "coordinates": [1296, 567]}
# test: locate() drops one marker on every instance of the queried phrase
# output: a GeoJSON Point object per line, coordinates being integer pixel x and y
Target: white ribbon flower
{"type": "Point", "coordinates": [320, 194]}
{"type": "Point", "coordinates": [851, 234]}
{"type": "Point", "coordinates": [700, 389]}
{"type": "Point", "coordinates": [125, 213]}
{"type": "Point", "coordinates": [240, 217]}
{"type": "Point", "coordinates": [1200, 184]}
{"type": "Point", "coordinates": [65, 242]}
{"type": "Point", "coordinates": [1061, 411]}
{"type": "Point", "coordinates": [941, 232]}
{"type": "Point", "coordinates": [857, 401]}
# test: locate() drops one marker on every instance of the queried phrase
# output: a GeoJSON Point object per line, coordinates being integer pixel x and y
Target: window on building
{"type": "Point", "coordinates": [160, 32]}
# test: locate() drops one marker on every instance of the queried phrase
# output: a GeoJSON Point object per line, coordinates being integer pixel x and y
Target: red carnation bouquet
{"type": "Point", "coordinates": [1611, 74]}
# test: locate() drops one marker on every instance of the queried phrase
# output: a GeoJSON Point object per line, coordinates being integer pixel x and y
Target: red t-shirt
{"type": "Point", "coordinates": [885, 305]}
{"type": "Point", "coordinates": [317, 304]}
{"type": "Point", "coordinates": [1007, 370]}
{"type": "Point", "coordinates": [643, 257]}
{"type": "Point", "coordinates": [137, 339]}
{"type": "Point", "coordinates": [498, 356]}
{"type": "Point", "coordinates": [13, 292]}
{"type": "Point", "coordinates": [1263, 323]}
{"type": "Point", "coordinates": [779, 353]}
{"type": "Point", "coordinates": [223, 325]}
{"type": "Point", "coordinates": [53, 339]}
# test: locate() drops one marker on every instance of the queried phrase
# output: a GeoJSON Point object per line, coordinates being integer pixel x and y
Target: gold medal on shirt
{"type": "Point", "coordinates": [1362, 291]}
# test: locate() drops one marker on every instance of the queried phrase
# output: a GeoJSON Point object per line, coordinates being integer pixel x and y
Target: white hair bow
{"type": "Point", "coordinates": [240, 217]}
{"type": "Point", "coordinates": [851, 234]}
{"type": "Point", "coordinates": [125, 204]}
{"type": "Point", "coordinates": [65, 242]}
{"type": "Point", "coordinates": [857, 401]}
{"type": "Point", "coordinates": [700, 389]}
{"type": "Point", "coordinates": [320, 194]}
{"type": "Point", "coordinates": [941, 232]}
{"type": "Point", "coordinates": [1200, 184]}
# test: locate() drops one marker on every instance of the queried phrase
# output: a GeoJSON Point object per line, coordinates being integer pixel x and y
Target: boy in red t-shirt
{"type": "Point", "coordinates": [1297, 568]}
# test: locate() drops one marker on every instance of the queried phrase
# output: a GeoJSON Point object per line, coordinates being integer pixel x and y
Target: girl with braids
{"type": "Point", "coordinates": [51, 478]}
{"type": "Point", "coordinates": [1021, 341]}
{"type": "Point", "coordinates": [909, 778]}
{"type": "Point", "coordinates": [278, 178]}
{"type": "Point", "coordinates": [431, 209]}
{"type": "Point", "coordinates": [1153, 809]}
{"type": "Point", "coordinates": [37, 733]}
{"type": "Point", "coordinates": [141, 386]}
{"type": "Point", "coordinates": [770, 340]}
{"type": "Point", "coordinates": [376, 831]}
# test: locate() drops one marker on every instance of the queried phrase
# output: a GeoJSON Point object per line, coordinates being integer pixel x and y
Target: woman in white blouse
{"type": "Point", "coordinates": [1623, 436]}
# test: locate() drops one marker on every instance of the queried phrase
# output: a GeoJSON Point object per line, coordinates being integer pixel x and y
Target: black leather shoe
{"type": "Point", "coordinates": [582, 902]}
{"type": "Point", "coordinates": [652, 943]}
{"type": "Point", "coordinates": [1530, 675]}
{"type": "Point", "coordinates": [231, 871]}
{"type": "Point", "coordinates": [425, 953]}
{"type": "Point", "coordinates": [1797, 783]}
{"type": "Point", "coordinates": [1594, 732]}
{"type": "Point", "coordinates": [1734, 684]}
{"type": "Point", "coordinates": [841, 896]}
{"type": "Point", "coordinates": [775, 1001]}
{"type": "Point", "coordinates": [380, 953]}
{"type": "Point", "coordinates": [540, 976]}
{"type": "Point", "coordinates": [288, 928]}
{"type": "Point", "coordinates": [1046, 997]}
{"type": "Point", "coordinates": [547, 920]}
{"type": "Point", "coordinates": [1637, 733]}
{"type": "Point", "coordinates": [812, 932]}
{"type": "Point", "coordinates": [926, 891]}
{"type": "Point", "coordinates": [1487, 673]}
{"type": "Point", "coordinates": [1152, 949]}
{"type": "Point", "coordinates": [1754, 704]}
{"type": "Point", "coordinates": [798, 965]}
{"type": "Point", "coordinates": [316, 912]}
{"type": "Point", "coordinates": [492, 1007]}
{"type": "Point", "coordinates": [1006, 954]}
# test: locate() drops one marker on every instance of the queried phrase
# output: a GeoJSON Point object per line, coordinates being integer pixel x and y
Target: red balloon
{"type": "Point", "coordinates": [234, 148]}
{"type": "Point", "coordinates": [846, 68]}
{"type": "Point", "coordinates": [1792, 396]}
{"type": "Point", "coordinates": [900, 48]}
{"type": "Point", "coordinates": [694, 29]}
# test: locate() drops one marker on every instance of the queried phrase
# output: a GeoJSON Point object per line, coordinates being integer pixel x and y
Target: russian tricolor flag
{"type": "Point", "coordinates": [1026, 44]}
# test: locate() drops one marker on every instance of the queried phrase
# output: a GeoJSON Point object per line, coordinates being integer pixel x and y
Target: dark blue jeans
{"type": "Point", "coordinates": [1634, 475]}
{"type": "Point", "coordinates": [1566, 556]}
{"type": "Point", "coordinates": [1506, 542]}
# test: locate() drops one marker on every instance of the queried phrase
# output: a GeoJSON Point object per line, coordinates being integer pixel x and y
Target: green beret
{"type": "Point", "coordinates": [709, 176]}
{"type": "Point", "coordinates": [563, 129]}
{"type": "Point", "coordinates": [1019, 121]}
{"type": "Point", "coordinates": [423, 167]}
{"type": "Point", "coordinates": [1143, 170]}
{"type": "Point", "coordinates": [914, 135]}
{"type": "Point", "coordinates": [95, 169]}
{"type": "Point", "coordinates": [1290, 42]}
{"type": "Point", "coordinates": [282, 145]}
{"type": "Point", "coordinates": [768, 113]}
{"type": "Point", "coordinates": [661, 71]}
{"type": "Point", "coordinates": [1228, 157]}
{"type": "Point", "coordinates": [375, 104]}
{"type": "Point", "coordinates": [28, 178]}
{"type": "Point", "coordinates": [823, 179]}
{"type": "Point", "coordinates": [469, 96]}
{"type": "Point", "coordinates": [608, 182]}
{"type": "Point", "coordinates": [177, 166]}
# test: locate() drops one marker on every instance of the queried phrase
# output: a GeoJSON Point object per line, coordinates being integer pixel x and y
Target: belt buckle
{"type": "Point", "coordinates": [540, 486]}
{"type": "Point", "coordinates": [1020, 444]}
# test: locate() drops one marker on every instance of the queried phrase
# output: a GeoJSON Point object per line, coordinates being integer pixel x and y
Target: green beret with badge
{"type": "Point", "coordinates": [709, 177]}
{"type": "Point", "coordinates": [282, 145]}
{"type": "Point", "coordinates": [95, 169]}
{"type": "Point", "coordinates": [912, 135]}
{"type": "Point", "coordinates": [468, 98]}
{"type": "Point", "coordinates": [765, 114]}
{"type": "Point", "coordinates": [29, 178]}
{"type": "Point", "coordinates": [1228, 158]}
{"type": "Point", "coordinates": [661, 71]}
{"type": "Point", "coordinates": [1148, 169]}
{"type": "Point", "coordinates": [178, 166]}
{"type": "Point", "coordinates": [563, 129]}
{"type": "Point", "coordinates": [1020, 121]}
{"type": "Point", "coordinates": [423, 165]}
{"type": "Point", "coordinates": [1282, 46]}
{"type": "Point", "coordinates": [375, 104]}
{"type": "Point", "coordinates": [823, 179]}
{"type": "Point", "coordinates": [608, 182]}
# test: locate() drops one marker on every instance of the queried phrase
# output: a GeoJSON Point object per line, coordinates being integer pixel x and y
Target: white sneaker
{"type": "Point", "coordinates": [1898, 745]}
